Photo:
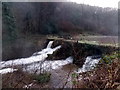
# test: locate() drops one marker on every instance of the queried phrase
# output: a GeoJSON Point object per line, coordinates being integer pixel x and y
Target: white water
{"type": "Point", "coordinates": [50, 44]}
{"type": "Point", "coordinates": [47, 65]}
{"type": "Point", "coordinates": [7, 70]}
{"type": "Point", "coordinates": [41, 56]}
{"type": "Point", "coordinates": [47, 51]}
{"type": "Point", "coordinates": [89, 64]}
{"type": "Point", "coordinates": [28, 86]}
{"type": "Point", "coordinates": [37, 62]}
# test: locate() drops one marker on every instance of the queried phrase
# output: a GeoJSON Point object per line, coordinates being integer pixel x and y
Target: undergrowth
{"type": "Point", "coordinates": [106, 75]}
{"type": "Point", "coordinates": [42, 78]}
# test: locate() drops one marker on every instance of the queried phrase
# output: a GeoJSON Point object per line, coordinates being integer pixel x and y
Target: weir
{"type": "Point", "coordinates": [36, 57]}
{"type": "Point", "coordinates": [84, 55]}
{"type": "Point", "coordinates": [79, 51]}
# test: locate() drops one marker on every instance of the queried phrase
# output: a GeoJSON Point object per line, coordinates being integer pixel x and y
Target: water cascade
{"type": "Point", "coordinates": [38, 62]}
{"type": "Point", "coordinates": [89, 63]}
{"type": "Point", "coordinates": [36, 57]}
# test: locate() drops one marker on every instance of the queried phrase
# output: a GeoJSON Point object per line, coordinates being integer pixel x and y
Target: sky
{"type": "Point", "coordinates": [100, 3]}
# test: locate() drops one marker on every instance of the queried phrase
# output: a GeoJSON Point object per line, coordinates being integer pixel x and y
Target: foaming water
{"type": "Point", "coordinates": [50, 44]}
{"type": "Point", "coordinates": [36, 57]}
{"type": "Point", "coordinates": [48, 65]}
{"type": "Point", "coordinates": [89, 64]}
{"type": "Point", "coordinates": [37, 62]}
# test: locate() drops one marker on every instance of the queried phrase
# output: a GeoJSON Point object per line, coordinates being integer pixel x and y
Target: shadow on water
{"type": "Point", "coordinates": [22, 48]}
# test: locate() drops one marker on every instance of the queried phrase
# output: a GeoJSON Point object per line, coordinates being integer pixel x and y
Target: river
{"type": "Point", "coordinates": [60, 70]}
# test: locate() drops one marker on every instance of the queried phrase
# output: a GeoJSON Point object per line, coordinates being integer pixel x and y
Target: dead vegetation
{"type": "Point", "coordinates": [21, 79]}
{"type": "Point", "coordinates": [106, 75]}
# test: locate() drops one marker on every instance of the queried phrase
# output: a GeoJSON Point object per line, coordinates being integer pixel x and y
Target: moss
{"type": "Point", "coordinates": [43, 78]}
{"type": "Point", "coordinates": [108, 59]}
{"type": "Point", "coordinates": [74, 75]}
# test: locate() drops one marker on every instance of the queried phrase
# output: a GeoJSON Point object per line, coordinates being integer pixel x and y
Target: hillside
{"type": "Point", "coordinates": [63, 18]}
{"type": "Point", "coordinates": [23, 22]}
{"type": "Point", "coordinates": [59, 45]}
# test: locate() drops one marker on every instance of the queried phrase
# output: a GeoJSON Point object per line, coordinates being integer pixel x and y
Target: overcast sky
{"type": "Point", "coordinates": [100, 3]}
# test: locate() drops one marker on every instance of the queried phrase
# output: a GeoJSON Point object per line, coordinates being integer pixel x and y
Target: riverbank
{"type": "Point", "coordinates": [64, 70]}
{"type": "Point", "coordinates": [105, 75]}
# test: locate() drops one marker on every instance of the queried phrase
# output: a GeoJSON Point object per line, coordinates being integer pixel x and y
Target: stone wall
{"type": "Point", "coordinates": [79, 51]}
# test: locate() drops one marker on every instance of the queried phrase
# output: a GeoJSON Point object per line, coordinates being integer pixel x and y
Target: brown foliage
{"type": "Point", "coordinates": [106, 76]}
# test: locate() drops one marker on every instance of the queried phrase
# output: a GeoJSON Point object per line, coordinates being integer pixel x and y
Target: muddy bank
{"type": "Point", "coordinates": [79, 51]}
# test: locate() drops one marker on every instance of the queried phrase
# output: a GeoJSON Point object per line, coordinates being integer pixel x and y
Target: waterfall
{"type": "Point", "coordinates": [47, 49]}
{"type": "Point", "coordinates": [50, 44]}
{"type": "Point", "coordinates": [41, 56]}
{"type": "Point", "coordinates": [37, 60]}
{"type": "Point", "coordinates": [89, 63]}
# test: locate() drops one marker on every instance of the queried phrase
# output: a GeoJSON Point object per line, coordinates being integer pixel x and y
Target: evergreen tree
{"type": "Point", "coordinates": [9, 27]}
{"type": "Point", "coordinates": [28, 24]}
